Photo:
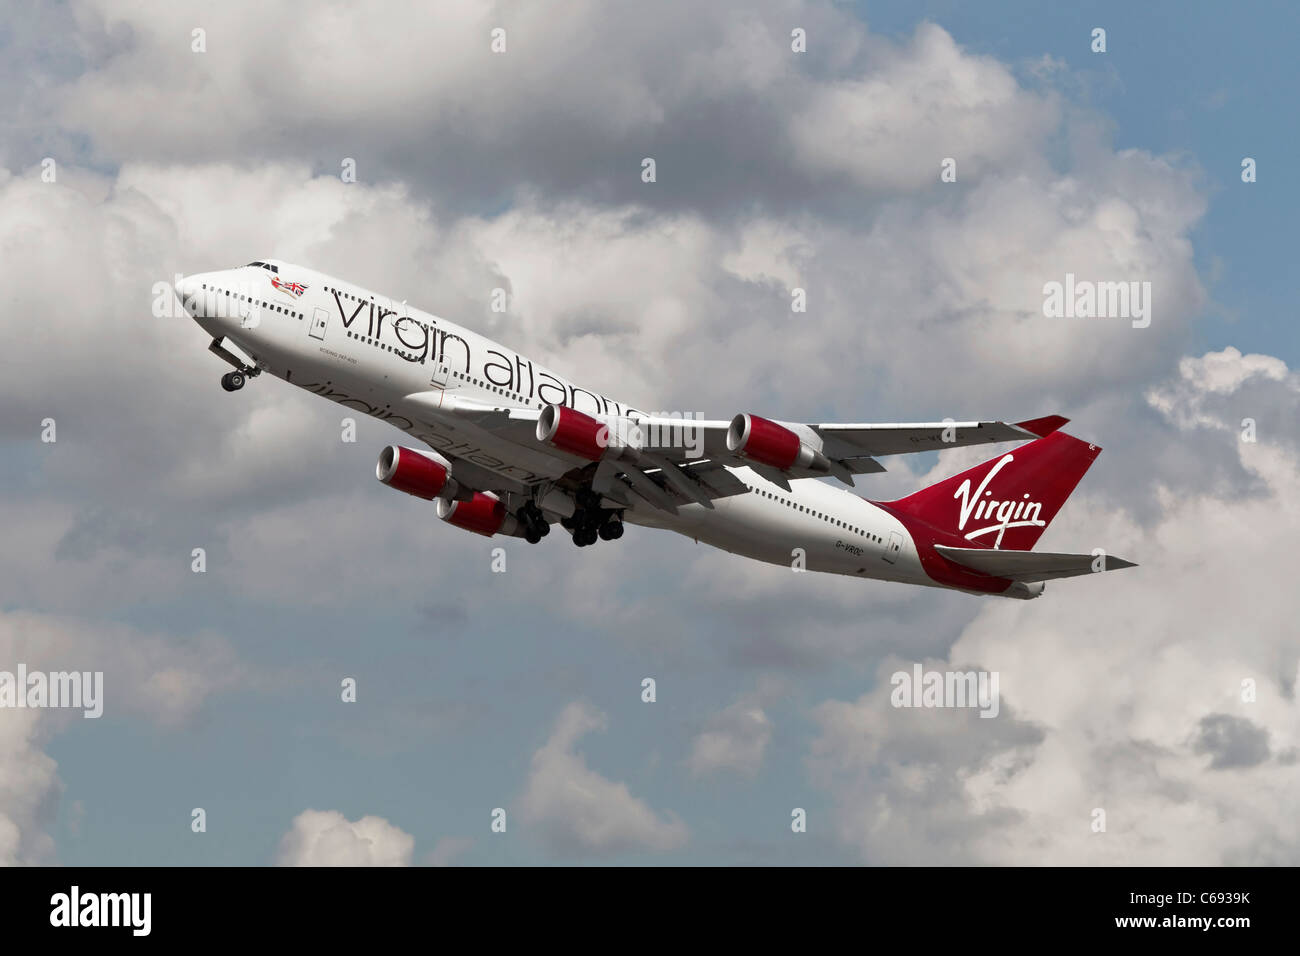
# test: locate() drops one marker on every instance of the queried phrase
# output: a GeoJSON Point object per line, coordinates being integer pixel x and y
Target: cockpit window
{"type": "Point", "coordinates": [263, 265]}
{"type": "Point", "coordinates": [255, 264]}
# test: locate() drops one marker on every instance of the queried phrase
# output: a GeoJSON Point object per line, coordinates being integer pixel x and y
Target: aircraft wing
{"type": "Point", "coordinates": [517, 422]}
{"type": "Point", "coordinates": [662, 480]}
{"type": "Point", "coordinates": [671, 461]}
{"type": "Point", "coordinates": [832, 449]}
{"type": "Point", "coordinates": [688, 458]}
{"type": "Point", "coordinates": [667, 484]}
{"type": "Point", "coordinates": [1028, 566]}
{"type": "Point", "coordinates": [880, 440]}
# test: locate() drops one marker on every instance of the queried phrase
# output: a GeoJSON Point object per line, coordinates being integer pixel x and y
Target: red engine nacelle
{"type": "Point", "coordinates": [483, 514]}
{"type": "Point", "coordinates": [415, 472]}
{"type": "Point", "coordinates": [767, 443]}
{"type": "Point", "coordinates": [569, 430]}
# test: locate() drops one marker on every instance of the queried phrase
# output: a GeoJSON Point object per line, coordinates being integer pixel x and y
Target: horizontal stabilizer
{"type": "Point", "coordinates": [1029, 565]}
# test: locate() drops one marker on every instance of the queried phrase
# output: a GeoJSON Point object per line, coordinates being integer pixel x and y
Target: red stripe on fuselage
{"type": "Point", "coordinates": [938, 568]}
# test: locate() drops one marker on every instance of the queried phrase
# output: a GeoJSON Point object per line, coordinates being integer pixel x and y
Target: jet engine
{"type": "Point", "coordinates": [569, 430]}
{"type": "Point", "coordinates": [417, 473]}
{"type": "Point", "coordinates": [771, 443]}
{"type": "Point", "coordinates": [483, 514]}
{"type": "Point", "coordinates": [579, 434]}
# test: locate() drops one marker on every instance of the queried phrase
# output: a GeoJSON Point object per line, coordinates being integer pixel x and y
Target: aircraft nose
{"type": "Point", "coordinates": [186, 287]}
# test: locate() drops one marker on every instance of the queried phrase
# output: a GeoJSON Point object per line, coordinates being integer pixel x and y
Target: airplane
{"type": "Point", "coordinates": [512, 448]}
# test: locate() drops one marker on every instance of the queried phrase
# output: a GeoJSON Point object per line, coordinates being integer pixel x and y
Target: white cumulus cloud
{"type": "Point", "coordinates": [578, 812]}
{"type": "Point", "coordinates": [327, 838]}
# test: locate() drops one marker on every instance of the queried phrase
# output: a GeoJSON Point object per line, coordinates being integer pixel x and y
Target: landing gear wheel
{"type": "Point", "coordinates": [612, 531]}
{"type": "Point", "coordinates": [534, 522]}
{"type": "Point", "coordinates": [584, 537]}
{"type": "Point", "coordinates": [232, 381]}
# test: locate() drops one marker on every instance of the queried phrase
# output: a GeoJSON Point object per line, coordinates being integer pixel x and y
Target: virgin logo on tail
{"type": "Point", "coordinates": [1005, 514]}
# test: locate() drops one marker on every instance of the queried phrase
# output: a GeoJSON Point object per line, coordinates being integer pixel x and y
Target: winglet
{"type": "Point", "coordinates": [1042, 427]}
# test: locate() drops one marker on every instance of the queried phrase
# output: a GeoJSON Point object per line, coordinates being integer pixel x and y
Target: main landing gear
{"type": "Point", "coordinates": [590, 521]}
{"type": "Point", "coordinates": [535, 525]}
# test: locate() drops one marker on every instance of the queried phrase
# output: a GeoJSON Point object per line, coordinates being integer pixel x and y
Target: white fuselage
{"type": "Point", "coordinates": [372, 355]}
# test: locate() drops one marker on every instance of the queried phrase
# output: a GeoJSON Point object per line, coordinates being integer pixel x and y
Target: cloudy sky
{"type": "Point", "coordinates": [521, 169]}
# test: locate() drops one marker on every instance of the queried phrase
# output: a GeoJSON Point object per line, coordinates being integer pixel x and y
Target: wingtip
{"type": "Point", "coordinates": [1042, 427]}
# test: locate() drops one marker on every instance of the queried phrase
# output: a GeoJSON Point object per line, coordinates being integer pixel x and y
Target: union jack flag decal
{"type": "Point", "coordinates": [293, 288]}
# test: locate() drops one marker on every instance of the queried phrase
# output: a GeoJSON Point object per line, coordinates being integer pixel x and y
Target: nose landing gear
{"type": "Point", "coordinates": [232, 381]}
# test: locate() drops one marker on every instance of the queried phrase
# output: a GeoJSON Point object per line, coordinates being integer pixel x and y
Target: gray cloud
{"type": "Point", "coordinates": [715, 94]}
{"type": "Point", "coordinates": [165, 679]}
{"type": "Point", "coordinates": [1231, 741]}
{"type": "Point", "coordinates": [1109, 688]}
{"type": "Point", "coordinates": [578, 812]}
{"type": "Point", "coordinates": [734, 739]}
